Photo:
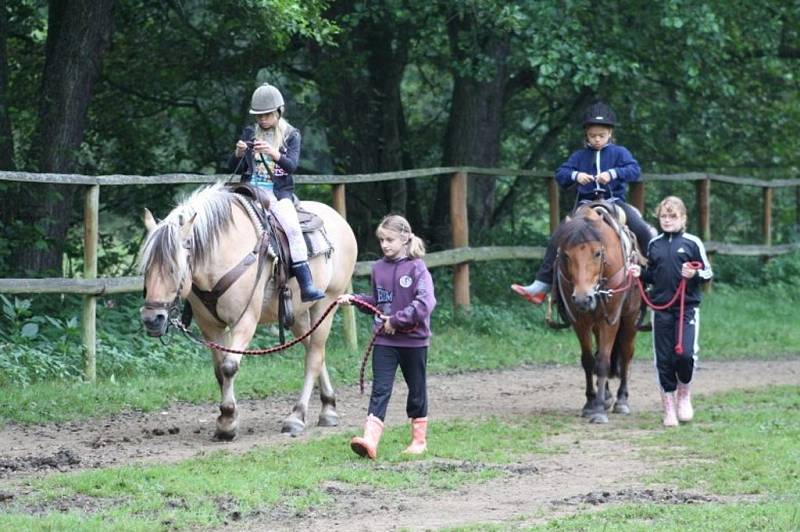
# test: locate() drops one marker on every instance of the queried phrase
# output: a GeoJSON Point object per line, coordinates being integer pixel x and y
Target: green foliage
{"type": "Point", "coordinates": [42, 343]}
{"type": "Point", "coordinates": [36, 347]}
{"type": "Point", "coordinates": [752, 272]}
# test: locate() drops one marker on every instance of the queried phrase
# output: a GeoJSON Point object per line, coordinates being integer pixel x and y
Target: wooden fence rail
{"type": "Point", "coordinates": [460, 256]}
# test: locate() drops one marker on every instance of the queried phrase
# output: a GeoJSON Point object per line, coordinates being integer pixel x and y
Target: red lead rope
{"type": "Point", "coordinates": [368, 350]}
{"type": "Point", "coordinates": [376, 311]}
{"type": "Point", "coordinates": [277, 348]}
{"type": "Point", "coordinates": [680, 292]}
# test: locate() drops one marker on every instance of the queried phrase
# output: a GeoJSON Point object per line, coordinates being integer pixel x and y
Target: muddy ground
{"type": "Point", "coordinates": [598, 468]}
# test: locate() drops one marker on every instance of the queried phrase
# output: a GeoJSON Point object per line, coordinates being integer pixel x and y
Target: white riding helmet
{"type": "Point", "coordinates": [266, 99]}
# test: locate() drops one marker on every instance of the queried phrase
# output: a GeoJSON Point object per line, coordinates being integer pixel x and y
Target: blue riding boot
{"type": "Point", "coordinates": [307, 290]}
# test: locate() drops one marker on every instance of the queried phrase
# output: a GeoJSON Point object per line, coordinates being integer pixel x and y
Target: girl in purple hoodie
{"type": "Point", "coordinates": [402, 289]}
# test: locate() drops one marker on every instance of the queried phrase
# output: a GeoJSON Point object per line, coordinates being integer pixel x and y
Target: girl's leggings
{"type": "Point", "coordinates": [413, 362]}
{"type": "Point", "coordinates": [286, 214]}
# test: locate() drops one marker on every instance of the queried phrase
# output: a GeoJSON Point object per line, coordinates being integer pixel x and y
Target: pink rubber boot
{"type": "Point", "coordinates": [419, 430]}
{"type": "Point", "coordinates": [368, 444]}
{"type": "Point", "coordinates": [685, 410]}
{"type": "Point", "coordinates": [668, 402]}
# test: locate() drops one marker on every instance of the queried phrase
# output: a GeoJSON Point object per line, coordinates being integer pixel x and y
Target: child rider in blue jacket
{"type": "Point", "coordinates": [600, 170]}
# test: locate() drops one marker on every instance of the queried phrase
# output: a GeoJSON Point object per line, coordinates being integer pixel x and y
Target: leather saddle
{"type": "Point", "coordinates": [313, 232]}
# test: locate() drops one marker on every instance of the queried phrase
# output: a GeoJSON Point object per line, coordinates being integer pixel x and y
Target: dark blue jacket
{"type": "Point", "coordinates": [666, 254]}
{"type": "Point", "coordinates": [612, 158]}
{"type": "Point", "coordinates": [284, 167]}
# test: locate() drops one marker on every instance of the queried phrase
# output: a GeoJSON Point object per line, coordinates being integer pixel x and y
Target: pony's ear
{"type": "Point", "coordinates": [149, 220]}
{"type": "Point", "coordinates": [186, 228]}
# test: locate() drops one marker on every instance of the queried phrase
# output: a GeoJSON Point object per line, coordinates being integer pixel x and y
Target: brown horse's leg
{"type": "Point", "coordinates": [601, 367]}
{"type": "Point", "coordinates": [626, 346]}
{"type": "Point", "coordinates": [587, 361]}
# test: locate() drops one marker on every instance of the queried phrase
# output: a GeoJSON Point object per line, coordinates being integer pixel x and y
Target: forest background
{"type": "Point", "coordinates": [146, 87]}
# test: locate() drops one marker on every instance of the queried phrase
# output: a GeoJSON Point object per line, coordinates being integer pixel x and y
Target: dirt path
{"type": "Point", "coordinates": [541, 487]}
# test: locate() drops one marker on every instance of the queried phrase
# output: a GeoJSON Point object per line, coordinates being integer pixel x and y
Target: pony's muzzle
{"type": "Point", "coordinates": [586, 301]}
{"type": "Point", "coordinates": [154, 321]}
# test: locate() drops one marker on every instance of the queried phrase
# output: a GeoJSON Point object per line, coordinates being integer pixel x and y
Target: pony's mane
{"type": "Point", "coordinates": [212, 207]}
{"type": "Point", "coordinates": [577, 231]}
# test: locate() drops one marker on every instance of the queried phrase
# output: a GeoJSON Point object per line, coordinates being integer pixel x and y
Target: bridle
{"type": "Point", "coordinates": [173, 307]}
{"type": "Point", "coordinates": [604, 287]}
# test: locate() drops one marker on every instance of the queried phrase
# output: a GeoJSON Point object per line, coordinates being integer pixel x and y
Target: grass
{"type": "Point", "coordinates": [740, 452]}
{"type": "Point", "coordinates": [206, 492]}
{"type": "Point", "coordinates": [742, 447]}
{"type": "Point", "coordinates": [736, 323]}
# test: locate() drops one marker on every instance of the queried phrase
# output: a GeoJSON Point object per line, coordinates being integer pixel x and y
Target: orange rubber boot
{"type": "Point", "coordinates": [419, 431]}
{"type": "Point", "coordinates": [368, 444]}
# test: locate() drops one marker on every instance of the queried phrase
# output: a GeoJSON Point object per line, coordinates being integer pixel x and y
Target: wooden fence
{"type": "Point", "coordinates": [459, 256]}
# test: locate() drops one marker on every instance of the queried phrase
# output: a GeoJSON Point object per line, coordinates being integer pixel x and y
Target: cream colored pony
{"type": "Point", "coordinates": [207, 236]}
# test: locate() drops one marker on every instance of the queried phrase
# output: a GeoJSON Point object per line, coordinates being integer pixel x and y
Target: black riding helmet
{"type": "Point", "coordinates": [599, 114]}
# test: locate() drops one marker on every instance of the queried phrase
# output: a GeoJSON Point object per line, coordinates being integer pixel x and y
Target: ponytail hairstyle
{"type": "Point", "coordinates": [415, 247]}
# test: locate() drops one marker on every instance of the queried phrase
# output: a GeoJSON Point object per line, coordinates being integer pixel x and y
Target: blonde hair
{"type": "Point", "coordinates": [415, 247]}
{"type": "Point", "coordinates": [281, 130]}
{"type": "Point", "coordinates": [672, 204]}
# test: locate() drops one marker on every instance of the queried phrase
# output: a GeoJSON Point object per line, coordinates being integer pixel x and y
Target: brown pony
{"type": "Point", "coordinates": [212, 234]}
{"type": "Point", "coordinates": [595, 295]}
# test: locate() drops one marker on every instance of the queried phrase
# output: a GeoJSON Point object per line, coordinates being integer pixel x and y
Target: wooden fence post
{"type": "Point", "coordinates": [552, 199]}
{"type": "Point", "coordinates": [637, 196]}
{"type": "Point", "coordinates": [703, 208]}
{"type": "Point", "coordinates": [348, 312]}
{"type": "Point", "coordinates": [767, 226]}
{"type": "Point", "coordinates": [460, 228]}
{"type": "Point", "coordinates": [91, 208]}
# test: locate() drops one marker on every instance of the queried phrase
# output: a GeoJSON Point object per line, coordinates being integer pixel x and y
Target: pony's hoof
{"type": "Point", "coordinates": [225, 435]}
{"type": "Point", "coordinates": [293, 427]}
{"type": "Point", "coordinates": [621, 408]}
{"type": "Point", "coordinates": [227, 428]}
{"type": "Point", "coordinates": [587, 410]}
{"type": "Point", "coordinates": [598, 418]}
{"type": "Point", "coordinates": [329, 420]}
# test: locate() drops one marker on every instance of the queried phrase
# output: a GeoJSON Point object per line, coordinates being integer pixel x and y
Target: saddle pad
{"type": "Point", "coordinates": [317, 242]}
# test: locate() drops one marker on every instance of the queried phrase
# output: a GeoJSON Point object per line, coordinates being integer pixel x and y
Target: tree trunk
{"type": "Point", "coordinates": [6, 140]}
{"type": "Point", "coordinates": [364, 116]}
{"type": "Point", "coordinates": [79, 32]}
{"type": "Point", "coordinates": [473, 132]}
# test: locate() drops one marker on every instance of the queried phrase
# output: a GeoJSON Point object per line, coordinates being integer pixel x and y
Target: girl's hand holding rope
{"type": "Point", "coordinates": [387, 326]}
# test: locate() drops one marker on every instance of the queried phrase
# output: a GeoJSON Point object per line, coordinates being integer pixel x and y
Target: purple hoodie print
{"type": "Point", "coordinates": [403, 290]}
